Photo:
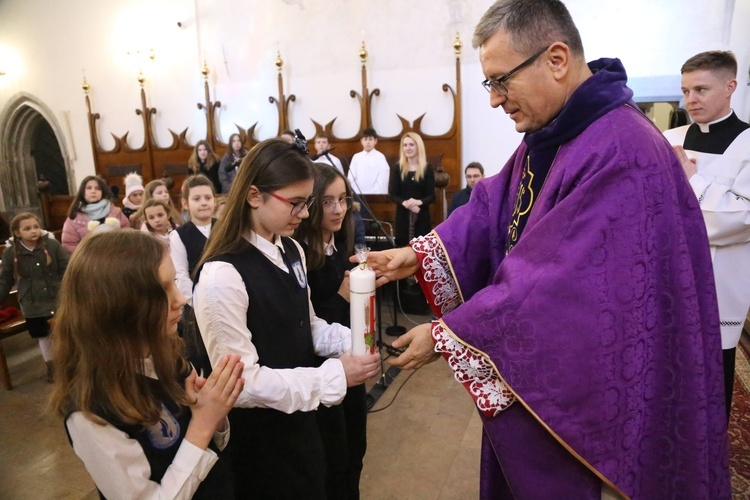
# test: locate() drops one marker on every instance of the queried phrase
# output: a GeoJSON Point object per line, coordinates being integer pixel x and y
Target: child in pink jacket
{"type": "Point", "coordinates": [91, 209]}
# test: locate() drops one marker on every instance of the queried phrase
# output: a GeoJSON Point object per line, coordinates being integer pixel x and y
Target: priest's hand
{"type": "Point", "coordinates": [688, 164]}
{"type": "Point", "coordinates": [420, 350]}
{"type": "Point", "coordinates": [391, 265]}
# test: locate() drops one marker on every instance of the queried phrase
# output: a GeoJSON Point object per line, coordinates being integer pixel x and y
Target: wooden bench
{"type": "Point", "coordinates": [7, 329]}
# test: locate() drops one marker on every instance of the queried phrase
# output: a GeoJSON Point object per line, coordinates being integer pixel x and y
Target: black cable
{"type": "Point", "coordinates": [401, 307]}
{"type": "Point", "coordinates": [393, 351]}
{"type": "Point", "coordinates": [395, 395]}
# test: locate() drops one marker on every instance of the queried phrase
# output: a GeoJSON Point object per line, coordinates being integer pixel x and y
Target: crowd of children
{"type": "Point", "coordinates": [262, 276]}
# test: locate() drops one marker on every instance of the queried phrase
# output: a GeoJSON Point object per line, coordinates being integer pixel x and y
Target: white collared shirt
{"type": "Point", "coordinates": [178, 252]}
{"type": "Point", "coordinates": [120, 469]}
{"type": "Point", "coordinates": [221, 303]}
{"type": "Point", "coordinates": [329, 248]}
{"type": "Point", "coordinates": [706, 127]}
{"type": "Point", "coordinates": [334, 162]}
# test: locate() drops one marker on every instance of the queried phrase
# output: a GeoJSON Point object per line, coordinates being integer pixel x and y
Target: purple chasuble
{"type": "Point", "coordinates": [602, 320]}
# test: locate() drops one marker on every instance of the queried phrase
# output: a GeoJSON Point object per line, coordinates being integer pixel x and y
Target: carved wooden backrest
{"type": "Point", "coordinates": [153, 161]}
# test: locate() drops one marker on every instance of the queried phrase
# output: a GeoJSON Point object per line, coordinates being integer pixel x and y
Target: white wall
{"type": "Point", "coordinates": [45, 46]}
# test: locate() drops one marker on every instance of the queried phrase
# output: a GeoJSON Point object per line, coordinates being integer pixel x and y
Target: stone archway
{"type": "Point", "coordinates": [22, 121]}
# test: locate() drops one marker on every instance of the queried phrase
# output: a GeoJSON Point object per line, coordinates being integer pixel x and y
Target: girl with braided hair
{"type": "Point", "coordinates": [37, 262]}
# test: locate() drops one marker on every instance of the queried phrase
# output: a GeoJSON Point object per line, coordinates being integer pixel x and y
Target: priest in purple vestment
{"type": "Point", "coordinates": [574, 292]}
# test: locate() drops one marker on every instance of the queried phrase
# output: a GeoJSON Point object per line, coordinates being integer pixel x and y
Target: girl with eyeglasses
{"type": "Point", "coordinates": [252, 299]}
{"type": "Point", "coordinates": [327, 237]}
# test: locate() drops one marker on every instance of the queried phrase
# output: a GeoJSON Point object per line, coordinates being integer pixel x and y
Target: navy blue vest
{"type": "Point", "coordinates": [161, 441]}
{"type": "Point", "coordinates": [194, 242]}
{"type": "Point", "coordinates": [275, 454]}
{"type": "Point", "coordinates": [279, 312]}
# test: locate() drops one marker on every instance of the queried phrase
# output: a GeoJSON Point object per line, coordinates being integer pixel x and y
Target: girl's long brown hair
{"type": "Point", "coordinates": [194, 163]}
{"type": "Point", "coordinates": [230, 151]}
{"type": "Point", "coordinates": [310, 229]}
{"type": "Point", "coordinates": [112, 314]}
{"type": "Point", "coordinates": [79, 201]}
{"type": "Point", "coordinates": [269, 166]}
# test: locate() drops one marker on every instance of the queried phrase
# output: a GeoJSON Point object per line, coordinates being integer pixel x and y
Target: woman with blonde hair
{"type": "Point", "coordinates": [412, 188]}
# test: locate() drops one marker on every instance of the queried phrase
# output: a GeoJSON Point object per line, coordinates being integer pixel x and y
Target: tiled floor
{"type": "Point", "coordinates": [425, 445]}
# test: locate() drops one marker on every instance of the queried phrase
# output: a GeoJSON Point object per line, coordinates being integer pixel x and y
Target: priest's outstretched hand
{"type": "Point", "coordinates": [420, 350]}
{"type": "Point", "coordinates": [391, 265]}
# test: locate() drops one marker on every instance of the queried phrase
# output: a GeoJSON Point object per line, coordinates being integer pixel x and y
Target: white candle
{"type": "Point", "coordinates": [362, 308]}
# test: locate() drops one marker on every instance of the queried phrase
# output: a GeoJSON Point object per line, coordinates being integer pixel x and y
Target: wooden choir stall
{"type": "Point", "coordinates": [170, 162]}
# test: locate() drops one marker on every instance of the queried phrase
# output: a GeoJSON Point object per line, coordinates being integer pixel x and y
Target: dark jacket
{"type": "Point", "coordinates": [40, 283]}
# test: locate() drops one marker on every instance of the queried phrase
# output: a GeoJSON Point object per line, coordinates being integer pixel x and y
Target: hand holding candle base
{"type": "Point", "coordinates": [360, 369]}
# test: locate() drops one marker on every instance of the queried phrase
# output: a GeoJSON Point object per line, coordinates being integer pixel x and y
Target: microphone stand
{"type": "Point", "coordinates": [395, 329]}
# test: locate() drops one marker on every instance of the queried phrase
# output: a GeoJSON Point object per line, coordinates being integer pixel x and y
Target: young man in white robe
{"type": "Point", "coordinates": [715, 154]}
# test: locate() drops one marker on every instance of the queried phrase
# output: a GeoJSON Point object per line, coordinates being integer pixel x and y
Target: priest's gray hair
{"type": "Point", "coordinates": [531, 25]}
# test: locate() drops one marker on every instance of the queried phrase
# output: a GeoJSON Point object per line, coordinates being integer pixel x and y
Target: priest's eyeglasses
{"type": "Point", "coordinates": [498, 85]}
{"type": "Point", "coordinates": [330, 205]}
{"type": "Point", "coordinates": [297, 206]}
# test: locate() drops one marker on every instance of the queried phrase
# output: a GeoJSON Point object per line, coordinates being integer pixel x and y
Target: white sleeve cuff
{"type": "Point", "coordinates": [222, 438]}
{"type": "Point", "coordinates": [193, 460]}
{"type": "Point", "coordinates": [334, 382]}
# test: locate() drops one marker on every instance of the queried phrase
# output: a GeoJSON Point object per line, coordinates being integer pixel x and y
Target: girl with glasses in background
{"type": "Point", "coordinates": [252, 298]}
{"type": "Point", "coordinates": [327, 237]}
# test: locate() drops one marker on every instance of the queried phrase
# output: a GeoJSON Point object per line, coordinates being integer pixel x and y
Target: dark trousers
{"type": "Point", "coordinates": [343, 429]}
{"type": "Point", "coordinates": [729, 355]}
{"type": "Point", "coordinates": [38, 327]}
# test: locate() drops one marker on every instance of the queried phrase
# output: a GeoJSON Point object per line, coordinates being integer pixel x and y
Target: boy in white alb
{"type": "Point", "coordinates": [369, 171]}
{"type": "Point", "coordinates": [715, 154]}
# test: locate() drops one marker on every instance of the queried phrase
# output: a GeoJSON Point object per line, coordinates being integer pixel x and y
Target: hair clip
{"type": "Point", "coordinates": [300, 143]}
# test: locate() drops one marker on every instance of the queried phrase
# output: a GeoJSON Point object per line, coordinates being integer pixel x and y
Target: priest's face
{"type": "Point", "coordinates": [532, 98]}
{"type": "Point", "coordinates": [707, 94]}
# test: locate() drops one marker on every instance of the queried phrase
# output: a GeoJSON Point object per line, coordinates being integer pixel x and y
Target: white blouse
{"type": "Point", "coordinates": [221, 302]}
{"type": "Point", "coordinates": [178, 252]}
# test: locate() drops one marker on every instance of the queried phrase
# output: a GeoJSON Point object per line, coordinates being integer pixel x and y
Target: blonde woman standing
{"type": "Point", "coordinates": [412, 189]}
